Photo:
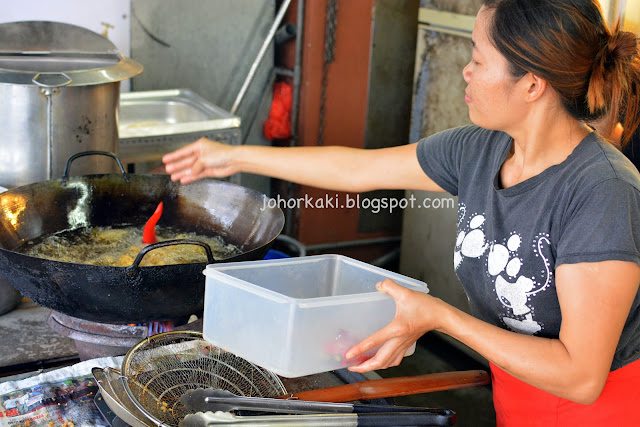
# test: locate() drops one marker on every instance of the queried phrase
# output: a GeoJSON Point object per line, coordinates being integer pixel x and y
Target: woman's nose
{"type": "Point", "coordinates": [466, 72]}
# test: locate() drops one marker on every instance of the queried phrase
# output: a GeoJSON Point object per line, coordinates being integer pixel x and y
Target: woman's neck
{"type": "Point", "coordinates": [540, 144]}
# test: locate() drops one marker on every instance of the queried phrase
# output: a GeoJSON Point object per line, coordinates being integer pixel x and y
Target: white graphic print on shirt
{"type": "Point", "coordinates": [503, 266]}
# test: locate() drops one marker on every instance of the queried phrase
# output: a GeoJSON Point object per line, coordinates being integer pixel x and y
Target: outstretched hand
{"type": "Point", "coordinates": [415, 315]}
{"type": "Point", "coordinates": [204, 158]}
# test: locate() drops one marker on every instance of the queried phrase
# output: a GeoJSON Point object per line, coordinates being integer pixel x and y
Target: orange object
{"type": "Point", "coordinates": [278, 125]}
{"type": "Point", "coordinates": [396, 386]}
{"type": "Point", "coordinates": [149, 232]}
{"type": "Point", "coordinates": [520, 404]}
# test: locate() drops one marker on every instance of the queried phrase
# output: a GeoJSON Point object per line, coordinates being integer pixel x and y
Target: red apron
{"type": "Point", "coordinates": [519, 404]}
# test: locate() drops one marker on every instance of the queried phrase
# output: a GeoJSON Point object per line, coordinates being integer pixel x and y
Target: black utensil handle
{"type": "Point", "coordinates": [136, 263]}
{"type": "Point", "coordinates": [65, 176]}
{"type": "Point", "coordinates": [368, 409]}
{"type": "Point", "coordinates": [303, 406]}
{"type": "Point", "coordinates": [404, 419]}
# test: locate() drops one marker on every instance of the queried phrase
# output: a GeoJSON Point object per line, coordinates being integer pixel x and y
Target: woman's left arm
{"type": "Point", "coordinates": [595, 299]}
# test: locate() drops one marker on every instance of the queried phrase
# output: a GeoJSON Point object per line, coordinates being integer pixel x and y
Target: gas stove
{"type": "Point", "coordinates": [95, 339]}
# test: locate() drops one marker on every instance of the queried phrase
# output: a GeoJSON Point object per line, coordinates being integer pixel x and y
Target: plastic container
{"type": "Point", "coordinates": [297, 316]}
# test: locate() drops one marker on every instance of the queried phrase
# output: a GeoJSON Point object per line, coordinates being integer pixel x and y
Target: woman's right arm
{"type": "Point", "coordinates": [332, 167]}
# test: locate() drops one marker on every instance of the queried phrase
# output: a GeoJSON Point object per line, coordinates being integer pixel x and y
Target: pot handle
{"type": "Point", "coordinates": [91, 153]}
{"type": "Point", "coordinates": [147, 249]}
{"type": "Point", "coordinates": [51, 80]}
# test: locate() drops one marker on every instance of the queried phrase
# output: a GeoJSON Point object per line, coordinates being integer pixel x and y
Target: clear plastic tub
{"type": "Point", "coordinates": [297, 316]}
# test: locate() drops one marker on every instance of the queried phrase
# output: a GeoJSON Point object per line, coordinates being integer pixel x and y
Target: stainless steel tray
{"type": "Point", "coordinates": [152, 123]}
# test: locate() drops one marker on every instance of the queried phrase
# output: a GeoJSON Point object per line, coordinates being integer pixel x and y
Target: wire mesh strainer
{"type": "Point", "coordinates": [161, 368]}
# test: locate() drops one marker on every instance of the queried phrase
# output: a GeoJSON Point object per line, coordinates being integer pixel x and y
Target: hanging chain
{"type": "Point", "coordinates": [329, 55]}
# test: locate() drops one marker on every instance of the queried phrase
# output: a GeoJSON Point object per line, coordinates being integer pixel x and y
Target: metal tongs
{"type": "Point", "coordinates": [213, 407]}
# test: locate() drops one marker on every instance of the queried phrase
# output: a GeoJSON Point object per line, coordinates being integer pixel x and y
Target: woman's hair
{"type": "Point", "coordinates": [595, 71]}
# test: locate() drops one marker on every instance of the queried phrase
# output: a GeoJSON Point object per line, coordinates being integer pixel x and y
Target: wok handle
{"type": "Point", "coordinates": [153, 246]}
{"type": "Point", "coordinates": [399, 386]}
{"type": "Point", "coordinates": [91, 153]}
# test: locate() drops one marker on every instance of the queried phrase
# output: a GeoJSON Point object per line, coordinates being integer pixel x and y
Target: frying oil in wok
{"type": "Point", "coordinates": [118, 247]}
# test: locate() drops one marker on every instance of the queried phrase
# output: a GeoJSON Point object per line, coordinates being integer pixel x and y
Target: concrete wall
{"type": "Point", "coordinates": [428, 237]}
{"type": "Point", "coordinates": [391, 63]}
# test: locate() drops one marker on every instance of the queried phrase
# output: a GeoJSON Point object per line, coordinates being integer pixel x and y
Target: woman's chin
{"type": "Point", "coordinates": [483, 122]}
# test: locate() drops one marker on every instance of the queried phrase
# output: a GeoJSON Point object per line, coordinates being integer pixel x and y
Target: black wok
{"type": "Point", "coordinates": [127, 294]}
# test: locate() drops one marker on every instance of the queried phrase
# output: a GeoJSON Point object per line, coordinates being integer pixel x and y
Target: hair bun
{"type": "Point", "coordinates": [616, 54]}
{"type": "Point", "coordinates": [622, 46]}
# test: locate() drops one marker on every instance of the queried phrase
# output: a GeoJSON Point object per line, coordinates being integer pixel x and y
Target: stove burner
{"type": "Point", "coordinates": [95, 339]}
{"type": "Point", "coordinates": [156, 327]}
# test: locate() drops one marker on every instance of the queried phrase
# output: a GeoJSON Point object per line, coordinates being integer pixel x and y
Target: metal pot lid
{"type": "Point", "coordinates": [55, 54]}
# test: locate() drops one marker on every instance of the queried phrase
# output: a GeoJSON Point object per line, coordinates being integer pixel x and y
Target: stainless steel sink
{"type": "Point", "coordinates": [151, 123]}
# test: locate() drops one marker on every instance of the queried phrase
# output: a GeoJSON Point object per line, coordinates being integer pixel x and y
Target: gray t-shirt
{"type": "Point", "coordinates": [510, 240]}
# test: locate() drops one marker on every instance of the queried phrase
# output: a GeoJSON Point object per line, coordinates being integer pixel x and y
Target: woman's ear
{"type": "Point", "coordinates": [533, 87]}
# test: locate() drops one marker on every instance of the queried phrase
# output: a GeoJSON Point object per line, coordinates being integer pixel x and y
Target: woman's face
{"type": "Point", "coordinates": [489, 82]}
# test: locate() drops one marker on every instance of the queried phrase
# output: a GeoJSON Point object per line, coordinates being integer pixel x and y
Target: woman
{"type": "Point", "coordinates": [549, 219]}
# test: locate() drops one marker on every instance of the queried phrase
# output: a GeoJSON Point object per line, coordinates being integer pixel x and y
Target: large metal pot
{"type": "Point", "coordinates": [133, 294]}
{"type": "Point", "coordinates": [60, 86]}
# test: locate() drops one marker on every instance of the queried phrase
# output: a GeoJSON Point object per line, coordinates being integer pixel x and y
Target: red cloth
{"type": "Point", "coordinates": [278, 125]}
{"type": "Point", "coordinates": [520, 404]}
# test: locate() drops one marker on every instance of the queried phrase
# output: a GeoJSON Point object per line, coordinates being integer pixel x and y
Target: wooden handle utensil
{"type": "Point", "coordinates": [399, 386]}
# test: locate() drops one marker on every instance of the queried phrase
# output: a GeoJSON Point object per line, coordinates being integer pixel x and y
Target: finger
{"type": "Point", "coordinates": [179, 155]}
{"type": "Point", "coordinates": [192, 149]}
{"type": "Point", "coordinates": [398, 359]}
{"type": "Point", "coordinates": [363, 367]}
{"type": "Point", "coordinates": [379, 361]}
{"type": "Point", "coordinates": [390, 354]}
{"type": "Point", "coordinates": [398, 355]}
{"type": "Point", "coordinates": [181, 164]}
{"type": "Point", "coordinates": [178, 175]}
{"type": "Point", "coordinates": [366, 366]}
{"type": "Point", "coordinates": [190, 172]}
{"type": "Point", "coordinates": [373, 341]}
{"type": "Point", "coordinates": [188, 178]}
{"type": "Point", "coordinates": [185, 176]}
{"type": "Point", "coordinates": [392, 288]}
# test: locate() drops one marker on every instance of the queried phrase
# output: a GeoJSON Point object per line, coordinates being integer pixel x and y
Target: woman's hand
{"type": "Point", "coordinates": [416, 313]}
{"type": "Point", "coordinates": [204, 158]}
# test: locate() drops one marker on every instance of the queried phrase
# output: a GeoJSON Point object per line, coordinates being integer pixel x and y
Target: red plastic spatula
{"type": "Point", "coordinates": [149, 232]}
